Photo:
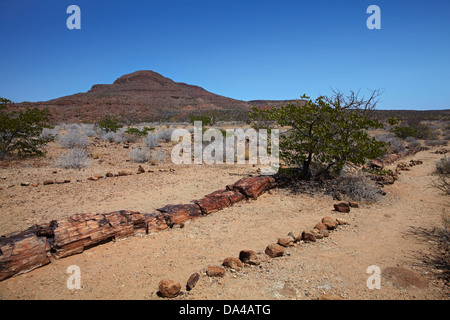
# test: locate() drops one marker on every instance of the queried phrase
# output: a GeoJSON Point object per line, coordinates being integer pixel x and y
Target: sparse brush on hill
{"type": "Point", "coordinates": [151, 140]}
{"type": "Point", "coordinates": [393, 143]}
{"type": "Point", "coordinates": [165, 135]}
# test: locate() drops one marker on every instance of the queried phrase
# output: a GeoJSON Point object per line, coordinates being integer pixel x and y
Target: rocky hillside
{"type": "Point", "coordinates": [143, 96]}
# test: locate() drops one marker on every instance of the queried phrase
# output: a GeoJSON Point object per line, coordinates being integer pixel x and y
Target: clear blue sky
{"type": "Point", "coordinates": [237, 48]}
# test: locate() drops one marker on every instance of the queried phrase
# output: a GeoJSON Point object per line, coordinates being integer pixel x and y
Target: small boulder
{"type": "Point", "coordinates": [47, 182]}
{"type": "Point", "coordinates": [353, 204]}
{"type": "Point", "coordinates": [140, 169]}
{"type": "Point", "coordinates": [232, 262]}
{"type": "Point", "coordinates": [192, 281]}
{"type": "Point", "coordinates": [342, 207]}
{"type": "Point", "coordinates": [109, 174]}
{"type": "Point", "coordinates": [308, 236]}
{"type": "Point", "coordinates": [215, 271]}
{"type": "Point", "coordinates": [274, 250]}
{"type": "Point", "coordinates": [321, 226]}
{"type": "Point", "coordinates": [249, 257]}
{"type": "Point", "coordinates": [169, 288]}
{"type": "Point", "coordinates": [286, 241]}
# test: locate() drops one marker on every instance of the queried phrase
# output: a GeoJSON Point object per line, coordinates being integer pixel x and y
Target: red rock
{"type": "Point", "coordinates": [308, 236]}
{"type": "Point", "coordinates": [232, 262]}
{"type": "Point", "coordinates": [192, 281]}
{"type": "Point", "coordinates": [320, 226]}
{"type": "Point", "coordinates": [249, 257]}
{"type": "Point", "coordinates": [169, 288]}
{"type": "Point", "coordinates": [286, 241]}
{"type": "Point", "coordinates": [215, 271]}
{"type": "Point", "coordinates": [342, 207]}
{"type": "Point", "coordinates": [274, 250]}
{"type": "Point", "coordinates": [353, 204]}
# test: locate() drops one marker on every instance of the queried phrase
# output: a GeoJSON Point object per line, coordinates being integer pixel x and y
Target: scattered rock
{"type": "Point", "coordinates": [140, 169]}
{"type": "Point", "coordinates": [286, 241]}
{"type": "Point", "coordinates": [122, 173]}
{"type": "Point", "coordinates": [249, 257]}
{"type": "Point", "coordinates": [109, 174]}
{"type": "Point", "coordinates": [215, 271]}
{"type": "Point", "coordinates": [353, 204]}
{"type": "Point", "coordinates": [232, 262]}
{"type": "Point", "coordinates": [342, 207]}
{"type": "Point", "coordinates": [169, 288]}
{"type": "Point", "coordinates": [192, 281]}
{"type": "Point", "coordinates": [341, 221]}
{"type": "Point", "coordinates": [274, 250]}
{"type": "Point", "coordinates": [93, 178]}
{"type": "Point", "coordinates": [34, 184]}
{"type": "Point", "coordinates": [320, 226]}
{"type": "Point", "coordinates": [47, 182]}
{"type": "Point", "coordinates": [24, 184]}
{"type": "Point", "coordinates": [330, 223]}
{"type": "Point", "coordinates": [308, 236]}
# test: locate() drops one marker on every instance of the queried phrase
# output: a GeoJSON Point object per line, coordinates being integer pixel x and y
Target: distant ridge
{"type": "Point", "coordinates": [144, 96]}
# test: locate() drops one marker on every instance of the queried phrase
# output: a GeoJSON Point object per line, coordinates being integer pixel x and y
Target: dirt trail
{"type": "Point", "coordinates": [387, 234]}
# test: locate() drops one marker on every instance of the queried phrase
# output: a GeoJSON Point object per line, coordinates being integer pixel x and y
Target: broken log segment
{"type": "Point", "coordinates": [218, 200]}
{"type": "Point", "coordinates": [178, 214]}
{"type": "Point", "coordinates": [80, 231]}
{"type": "Point", "coordinates": [155, 222]}
{"type": "Point", "coordinates": [22, 251]}
{"type": "Point", "coordinates": [253, 187]}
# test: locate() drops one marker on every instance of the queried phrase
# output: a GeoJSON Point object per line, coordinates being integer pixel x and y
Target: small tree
{"type": "Point", "coordinates": [328, 130]}
{"type": "Point", "coordinates": [20, 131]}
{"type": "Point", "coordinates": [109, 124]}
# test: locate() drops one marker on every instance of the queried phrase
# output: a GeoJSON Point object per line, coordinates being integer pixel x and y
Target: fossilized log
{"type": "Point", "coordinates": [80, 231]}
{"type": "Point", "coordinates": [155, 222]}
{"type": "Point", "coordinates": [22, 251]}
{"type": "Point", "coordinates": [218, 200]}
{"type": "Point", "coordinates": [178, 214]}
{"type": "Point", "coordinates": [253, 187]}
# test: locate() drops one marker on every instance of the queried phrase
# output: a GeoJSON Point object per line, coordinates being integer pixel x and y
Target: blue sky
{"type": "Point", "coordinates": [237, 48]}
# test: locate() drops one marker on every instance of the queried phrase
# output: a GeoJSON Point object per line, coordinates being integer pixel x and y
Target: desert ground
{"type": "Point", "coordinates": [401, 233]}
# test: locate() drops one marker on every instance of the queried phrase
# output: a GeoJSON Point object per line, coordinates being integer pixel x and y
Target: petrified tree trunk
{"type": "Point", "coordinates": [22, 251]}
{"type": "Point", "coordinates": [179, 213]}
{"type": "Point", "coordinates": [80, 231]}
{"type": "Point", "coordinates": [218, 200]}
{"type": "Point", "coordinates": [155, 222]}
{"type": "Point", "coordinates": [253, 187]}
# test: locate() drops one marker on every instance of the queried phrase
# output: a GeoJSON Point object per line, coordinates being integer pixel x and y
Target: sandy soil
{"type": "Point", "coordinates": [394, 234]}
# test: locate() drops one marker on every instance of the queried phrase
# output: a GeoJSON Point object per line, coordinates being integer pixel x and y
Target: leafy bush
{"type": "Point", "coordinates": [75, 158]}
{"type": "Point", "coordinates": [109, 124]}
{"type": "Point", "coordinates": [20, 131]}
{"type": "Point", "coordinates": [404, 131]}
{"type": "Point", "coordinates": [327, 130]}
{"type": "Point", "coordinates": [138, 132]}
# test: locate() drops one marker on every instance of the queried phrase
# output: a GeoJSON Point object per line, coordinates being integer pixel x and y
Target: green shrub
{"type": "Point", "coordinates": [109, 124]}
{"type": "Point", "coordinates": [21, 131]}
